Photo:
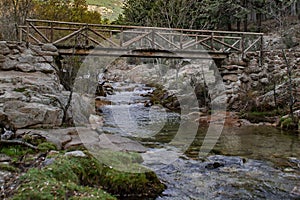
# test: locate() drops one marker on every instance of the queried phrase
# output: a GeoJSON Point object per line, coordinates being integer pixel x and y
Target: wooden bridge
{"type": "Point", "coordinates": [135, 41]}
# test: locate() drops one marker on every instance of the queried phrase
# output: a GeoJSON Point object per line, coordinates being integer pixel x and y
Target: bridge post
{"type": "Point", "coordinates": [181, 39]}
{"type": "Point", "coordinates": [242, 45]}
{"type": "Point", "coordinates": [27, 33]}
{"type": "Point", "coordinates": [86, 35]}
{"type": "Point", "coordinates": [212, 41]}
{"type": "Point", "coordinates": [51, 32]}
{"type": "Point", "coordinates": [261, 50]}
{"type": "Point", "coordinates": [152, 39]}
{"type": "Point", "coordinates": [20, 34]}
{"type": "Point", "coordinates": [121, 36]}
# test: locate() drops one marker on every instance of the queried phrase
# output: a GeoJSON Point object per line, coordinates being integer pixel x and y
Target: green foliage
{"type": "Point", "coordinates": [15, 151]}
{"type": "Point", "coordinates": [286, 123]}
{"type": "Point", "coordinates": [116, 6]}
{"type": "Point", "coordinates": [9, 168]}
{"type": "Point", "coordinates": [66, 10]}
{"type": "Point", "coordinates": [81, 178]}
{"type": "Point", "coordinates": [40, 185]}
{"type": "Point", "coordinates": [200, 14]}
{"type": "Point", "coordinates": [46, 146]}
{"type": "Point", "coordinates": [22, 89]}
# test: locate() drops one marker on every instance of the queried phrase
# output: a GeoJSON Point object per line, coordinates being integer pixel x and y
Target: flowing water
{"type": "Point", "coordinates": [251, 162]}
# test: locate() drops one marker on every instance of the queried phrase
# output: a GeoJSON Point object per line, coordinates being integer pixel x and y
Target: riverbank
{"type": "Point", "coordinates": [65, 169]}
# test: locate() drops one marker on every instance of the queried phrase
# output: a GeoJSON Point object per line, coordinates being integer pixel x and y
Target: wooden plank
{"type": "Point", "coordinates": [198, 42]}
{"type": "Point", "coordinates": [103, 37]}
{"type": "Point", "coordinates": [234, 45]}
{"type": "Point", "coordinates": [168, 41]}
{"type": "Point", "coordinates": [152, 53]}
{"type": "Point", "coordinates": [40, 33]}
{"type": "Point", "coordinates": [227, 45]}
{"type": "Point", "coordinates": [247, 49]}
{"type": "Point", "coordinates": [68, 36]}
{"type": "Point", "coordinates": [153, 43]}
{"type": "Point", "coordinates": [129, 42]}
{"type": "Point", "coordinates": [35, 39]}
{"type": "Point", "coordinates": [92, 39]}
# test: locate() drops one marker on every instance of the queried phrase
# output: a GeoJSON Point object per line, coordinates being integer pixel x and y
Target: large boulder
{"type": "Point", "coordinates": [25, 114]}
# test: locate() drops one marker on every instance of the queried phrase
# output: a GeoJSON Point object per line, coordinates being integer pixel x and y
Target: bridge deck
{"type": "Point", "coordinates": [85, 39]}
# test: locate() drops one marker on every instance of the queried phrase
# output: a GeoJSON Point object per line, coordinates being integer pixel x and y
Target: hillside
{"type": "Point", "coordinates": [109, 9]}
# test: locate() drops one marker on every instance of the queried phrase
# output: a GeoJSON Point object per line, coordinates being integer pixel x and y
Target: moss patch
{"type": "Point", "coordinates": [22, 89]}
{"type": "Point", "coordinates": [84, 178]}
{"type": "Point", "coordinates": [9, 168]}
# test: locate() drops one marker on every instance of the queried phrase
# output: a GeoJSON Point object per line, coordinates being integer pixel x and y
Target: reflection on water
{"type": "Point", "coordinates": [237, 167]}
{"type": "Point", "coordinates": [156, 128]}
{"type": "Point", "coordinates": [256, 142]}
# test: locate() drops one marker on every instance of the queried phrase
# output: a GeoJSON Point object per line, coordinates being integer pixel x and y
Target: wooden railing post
{"type": "Point", "coordinates": [20, 34]}
{"type": "Point", "coordinates": [181, 39]}
{"type": "Point", "coordinates": [121, 37]}
{"type": "Point", "coordinates": [212, 41]}
{"type": "Point", "coordinates": [51, 32]}
{"type": "Point", "coordinates": [261, 50]}
{"type": "Point", "coordinates": [27, 33]}
{"type": "Point", "coordinates": [152, 38]}
{"type": "Point", "coordinates": [87, 35]}
{"type": "Point", "coordinates": [242, 45]}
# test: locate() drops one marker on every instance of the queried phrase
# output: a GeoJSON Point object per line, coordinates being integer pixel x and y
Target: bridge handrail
{"type": "Point", "coordinates": [129, 37]}
{"type": "Point", "coordinates": [144, 27]}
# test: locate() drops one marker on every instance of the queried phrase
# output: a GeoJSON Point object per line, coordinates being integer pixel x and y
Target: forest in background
{"type": "Point", "coordinates": [236, 15]}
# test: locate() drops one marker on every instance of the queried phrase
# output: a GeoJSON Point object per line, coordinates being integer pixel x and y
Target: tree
{"type": "Point", "coordinates": [12, 14]}
{"type": "Point", "coordinates": [67, 10]}
{"type": "Point", "coordinates": [164, 13]}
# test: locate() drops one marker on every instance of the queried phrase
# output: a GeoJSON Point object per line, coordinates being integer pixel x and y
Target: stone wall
{"type": "Point", "coordinates": [29, 87]}
{"type": "Point", "coordinates": [247, 80]}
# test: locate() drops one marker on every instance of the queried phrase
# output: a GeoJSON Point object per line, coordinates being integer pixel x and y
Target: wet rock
{"type": "Point", "coordinates": [48, 161]}
{"type": "Point", "coordinates": [4, 158]}
{"type": "Point", "coordinates": [214, 165]}
{"type": "Point", "coordinates": [49, 47]}
{"type": "Point", "coordinates": [76, 154]}
{"type": "Point", "coordinates": [115, 142]}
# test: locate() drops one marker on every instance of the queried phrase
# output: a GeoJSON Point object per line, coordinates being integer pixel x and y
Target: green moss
{"type": "Point", "coordinates": [256, 117]}
{"type": "Point", "coordinates": [33, 139]}
{"type": "Point", "coordinates": [46, 146]}
{"type": "Point", "coordinates": [70, 175]}
{"type": "Point", "coordinates": [286, 123]}
{"type": "Point", "coordinates": [16, 151]}
{"type": "Point", "coordinates": [22, 89]}
{"type": "Point", "coordinates": [9, 168]}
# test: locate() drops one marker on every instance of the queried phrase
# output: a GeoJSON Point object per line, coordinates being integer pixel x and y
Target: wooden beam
{"type": "Point", "coordinates": [68, 36]}
{"type": "Point", "coordinates": [103, 37]}
{"type": "Point", "coordinates": [40, 33]}
{"type": "Point", "coordinates": [153, 53]}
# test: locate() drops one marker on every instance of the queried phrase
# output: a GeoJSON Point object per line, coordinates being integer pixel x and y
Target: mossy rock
{"type": "Point", "coordinates": [8, 168]}
{"type": "Point", "coordinates": [287, 123]}
{"type": "Point", "coordinates": [46, 146]}
{"type": "Point", "coordinates": [16, 151]}
{"type": "Point", "coordinates": [71, 176]}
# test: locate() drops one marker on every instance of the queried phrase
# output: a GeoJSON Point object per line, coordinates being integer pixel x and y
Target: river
{"type": "Point", "coordinates": [250, 162]}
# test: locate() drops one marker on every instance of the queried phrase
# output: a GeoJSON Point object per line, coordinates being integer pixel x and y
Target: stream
{"type": "Point", "coordinates": [250, 162]}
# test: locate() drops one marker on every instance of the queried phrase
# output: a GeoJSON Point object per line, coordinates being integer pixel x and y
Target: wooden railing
{"type": "Point", "coordinates": [87, 36]}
